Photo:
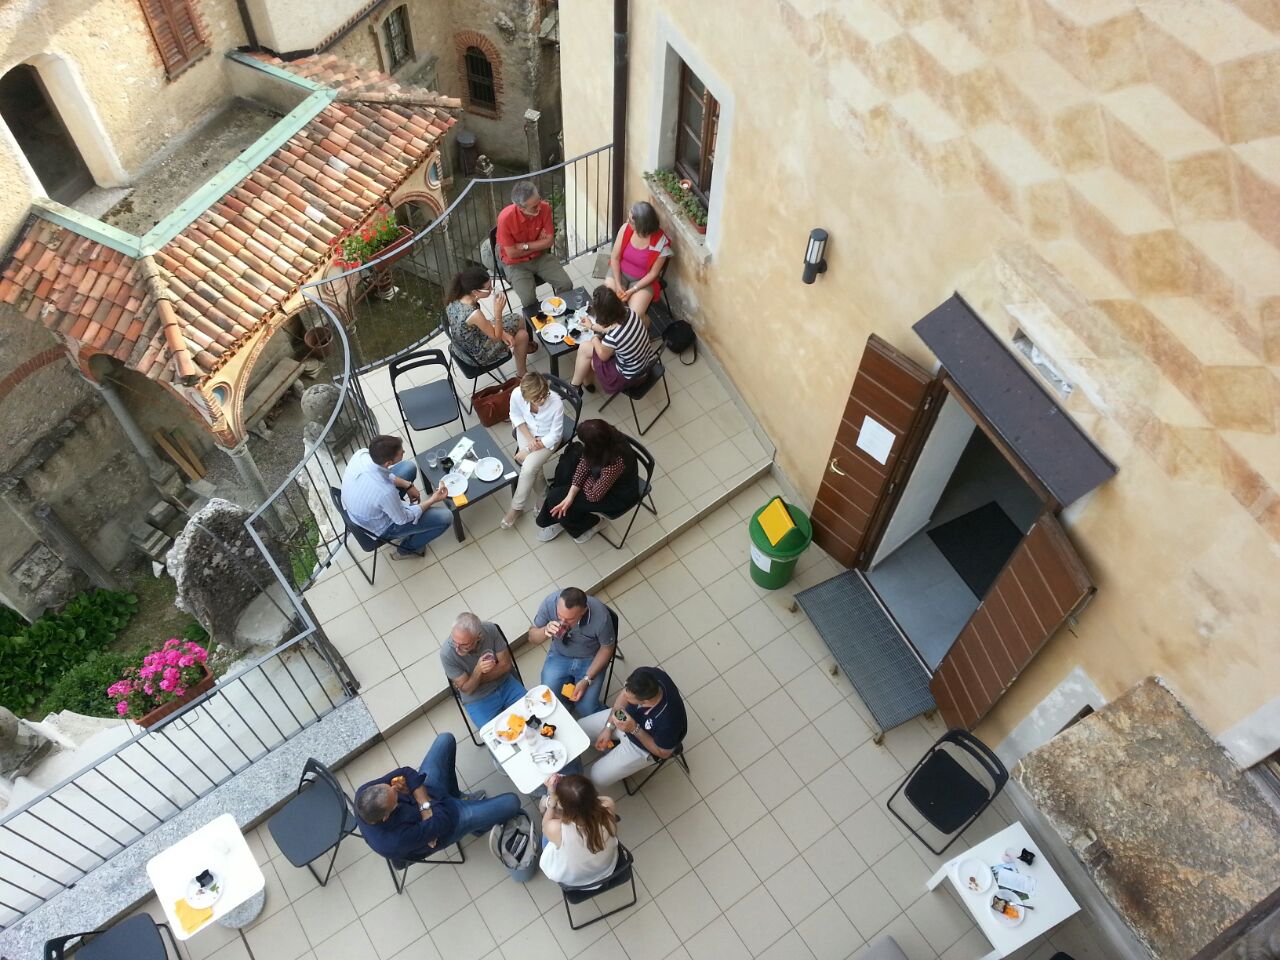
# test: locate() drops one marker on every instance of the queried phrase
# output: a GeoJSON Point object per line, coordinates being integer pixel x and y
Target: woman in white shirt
{"type": "Point", "coordinates": [581, 831]}
{"type": "Point", "coordinates": [538, 417]}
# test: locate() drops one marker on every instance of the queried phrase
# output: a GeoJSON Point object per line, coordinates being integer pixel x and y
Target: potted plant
{"type": "Point", "coordinates": [381, 239]}
{"type": "Point", "coordinates": [681, 193]}
{"type": "Point", "coordinates": [165, 680]}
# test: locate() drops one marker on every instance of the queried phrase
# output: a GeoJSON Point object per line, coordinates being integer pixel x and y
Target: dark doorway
{"type": "Point", "coordinates": [35, 124]}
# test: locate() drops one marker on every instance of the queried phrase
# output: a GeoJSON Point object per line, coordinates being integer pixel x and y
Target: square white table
{"type": "Point", "coordinates": [1052, 901]}
{"type": "Point", "coordinates": [516, 761]}
{"type": "Point", "coordinates": [218, 846]}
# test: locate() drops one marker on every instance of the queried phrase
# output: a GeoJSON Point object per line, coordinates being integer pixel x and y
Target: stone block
{"type": "Point", "coordinates": [1265, 12]}
{"type": "Point", "coordinates": [878, 45]}
{"type": "Point", "coordinates": [1172, 157]}
{"type": "Point", "coordinates": [954, 72]}
{"type": "Point", "coordinates": [1256, 169]}
{"type": "Point", "coordinates": [1187, 453]}
{"type": "Point", "coordinates": [1051, 108]}
{"type": "Point", "coordinates": [994, 25]}
{"type": "Point", "coordinates": [931, 137]}
{"type": "Point", "coordinates": [1237, 274]}
{"type": "Point", "coordinates": [1097, 40]}
{"type": "Point", "coordinates": [911, 12]}
{"type": "Point", "coordinates": [1218, 63]}
{"type": "Point", "coordinates": [1020, 181]}
{"type": "Point", "coordinates": [1240, 398]}
{"type": "Point", "coordinates": [857, 105]}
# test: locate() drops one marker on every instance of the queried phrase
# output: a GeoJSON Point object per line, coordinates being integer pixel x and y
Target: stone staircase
{"type": "Point", "coordinates": [1136, 143]}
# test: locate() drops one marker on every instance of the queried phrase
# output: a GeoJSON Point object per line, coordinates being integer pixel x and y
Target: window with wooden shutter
{"type": "Point", "coordinates": [177, 34]}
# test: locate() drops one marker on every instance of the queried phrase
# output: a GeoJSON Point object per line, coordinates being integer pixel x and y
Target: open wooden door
{"type": "Point", "coordinates": [1041, 585]}
{"type": "Point", "coordinates": [893, 392]}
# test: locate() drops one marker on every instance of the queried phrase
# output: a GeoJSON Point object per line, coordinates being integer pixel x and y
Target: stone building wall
{"type": "Point", "coordinates": [1103, 175]}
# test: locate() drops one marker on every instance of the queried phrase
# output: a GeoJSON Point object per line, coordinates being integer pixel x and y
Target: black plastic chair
{"type": "Point", "coordinates": [644, 491]}
{"type": "Point", "coordinates": [457, 697]}
{"type": "Point", "coordinates": [623, 873]}
{"type": "Point", "coordinates": [137, 938]}
{"type": "Point", "coordinates": [950, 787]}
{"type": "Point", "coordinates": [314, 821]}
{"type": "Point", "coordinates": [676, 755]}
{"type": "Point", "coordinates": [657, 374]}
{"type": "Point", "coordinates": [473, 369]}
{"type": "Point", "coordinates": [400, 867]}
{"type": "Point", "coordinates": [369, 542]}
{"type": "Point", "coordinates": [573, 400]}
{"type": "Point", "coordinates": [617, 648]}
{"type": "Point", "coordinates": [430, 405]}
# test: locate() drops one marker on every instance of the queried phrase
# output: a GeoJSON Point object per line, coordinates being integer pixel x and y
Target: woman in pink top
{"type": "Point", "coordinates": [639, 256]}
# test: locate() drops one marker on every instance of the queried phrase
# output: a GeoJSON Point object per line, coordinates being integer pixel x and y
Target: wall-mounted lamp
{"type": "Point", "coordinates": [815, 255]}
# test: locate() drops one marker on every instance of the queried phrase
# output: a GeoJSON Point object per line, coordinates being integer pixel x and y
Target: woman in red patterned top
{"type": "Point", "coordinates": [598, 476]}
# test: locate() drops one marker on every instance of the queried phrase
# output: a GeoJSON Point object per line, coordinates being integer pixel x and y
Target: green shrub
{"type": "Point", "coordinates": [11, 621]}
{"type": "Point", "coordinates": [83, 688]}
{"type": "Point", "coordinates": [195, 633]}
{"type": "Point", "coordinates": [34, 658]}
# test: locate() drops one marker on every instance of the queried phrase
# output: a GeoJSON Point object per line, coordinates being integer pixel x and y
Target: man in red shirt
{"type": "Point", "coordinates": [526, 235]}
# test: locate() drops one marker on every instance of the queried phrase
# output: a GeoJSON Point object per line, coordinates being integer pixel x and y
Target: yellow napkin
{"type": "Point", "coordinates": [537, 324]}
{"type": "Point", "coordinates": [191, 918]}
{"type": "Point", "coordinates": [460, 500]}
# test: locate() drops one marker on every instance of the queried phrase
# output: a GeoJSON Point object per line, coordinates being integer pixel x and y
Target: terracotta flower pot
{"type": "Point", "coordinates": [319, 341]}
{"type": "Point", "coordinates": [162, 711]}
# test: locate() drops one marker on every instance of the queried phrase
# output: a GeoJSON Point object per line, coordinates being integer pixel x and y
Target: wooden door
{"type": "Point", "coordinates": [857, 489]}
{"type": "Point", "coordinates": [1041, 585]}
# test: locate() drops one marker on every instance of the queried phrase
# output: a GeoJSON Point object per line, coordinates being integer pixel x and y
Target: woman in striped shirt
{"type": "Point", "coordinates": [620, 354]}
{"type": "Point", "coordinates": [598, 476]}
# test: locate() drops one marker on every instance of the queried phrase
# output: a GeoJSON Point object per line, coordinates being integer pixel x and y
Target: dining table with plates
{"type": "Point", "coordinates": [560, 323]}
{"type": "Point", "coordinates": [534, 737]}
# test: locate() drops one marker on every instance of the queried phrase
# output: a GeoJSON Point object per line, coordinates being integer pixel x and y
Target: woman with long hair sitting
{"type": "Point", "coordinates": [620, 354]}
{"type": "Point", "coordinates": [477, 336]}
{"type": "Point", "coordinates": [581, 830]}
{"type": "Point", "coordinates": [597, 476]}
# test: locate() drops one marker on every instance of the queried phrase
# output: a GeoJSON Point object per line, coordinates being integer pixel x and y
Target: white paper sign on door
{"type": "Point", "coordinates": [876, 439]}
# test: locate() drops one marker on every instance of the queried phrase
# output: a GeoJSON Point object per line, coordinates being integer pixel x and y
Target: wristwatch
{"type": "Point", "coordinates": [610, 724]}
{"type": "Point", "coordinates": [425, 805]}
{"type": "Point", "coordinates": [586, 679]}
{"type": "Point", "coordinates": [524, 246]}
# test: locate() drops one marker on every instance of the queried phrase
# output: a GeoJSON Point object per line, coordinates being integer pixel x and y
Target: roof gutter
{"type": "Point", "coordinates": [619, 109]}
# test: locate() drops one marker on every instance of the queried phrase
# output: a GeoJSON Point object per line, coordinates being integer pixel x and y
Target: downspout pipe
{"type": "Point", "coordinates": [619, 113]}
{"type": "Point", "coordinates": [246, 21]}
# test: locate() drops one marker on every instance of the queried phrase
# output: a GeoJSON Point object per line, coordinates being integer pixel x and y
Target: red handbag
{"type": "Point", "coordinates": [493, 404]}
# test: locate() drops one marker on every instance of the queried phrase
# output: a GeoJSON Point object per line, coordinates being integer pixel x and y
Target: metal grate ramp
{"type": "Point", "coordinates": [866, 643]}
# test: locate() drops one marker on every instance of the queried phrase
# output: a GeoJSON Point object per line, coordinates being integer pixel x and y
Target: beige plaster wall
{"type": "Point", "coordinates": [104, 73]}
{"type": "Point", "coordinates": [1026, 154]}
{"type": "Point", "coordinates": [287, 25]}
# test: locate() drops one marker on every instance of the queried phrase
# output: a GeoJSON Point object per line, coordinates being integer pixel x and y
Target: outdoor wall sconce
{"type": "Point", "coordinates": [815, 259]}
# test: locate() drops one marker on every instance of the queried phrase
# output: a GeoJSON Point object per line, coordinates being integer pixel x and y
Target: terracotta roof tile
{"type": "Point", "coordinates": [232, 269]}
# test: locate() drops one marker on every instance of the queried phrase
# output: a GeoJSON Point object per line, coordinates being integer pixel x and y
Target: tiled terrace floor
{"type": "Point", "coordinates": [778, 846]}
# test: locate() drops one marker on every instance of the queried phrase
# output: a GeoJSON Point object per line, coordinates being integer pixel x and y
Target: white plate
{"type": "Point", "coordinates": [534, 703]}
{"type": "Point", "coordinates": [489, 469]}
{"type": "Point", "coordinates": [454, 484]}
{"type": "Point", "coordinates": [549, 306]}
{"type": "Point", "coordinates": [199, 898]}
{"type": "Point", "coordinates": [1004, 921]}
{"type": "Point", "coordinates": [542, 746]}
{"type": "Point", "coordinates": [554, 332]}
{"type": "Point", "coordinates": [978, 870]}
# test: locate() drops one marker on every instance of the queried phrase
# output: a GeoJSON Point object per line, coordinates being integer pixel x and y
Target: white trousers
{"type": "Point", "coordinates": [530, 474]}
{"type": "Point", "coordinates": [620, 762]}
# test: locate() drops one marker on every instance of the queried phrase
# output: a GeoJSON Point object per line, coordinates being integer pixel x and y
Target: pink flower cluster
{"type": "Point", "coordinates": [164, 675]}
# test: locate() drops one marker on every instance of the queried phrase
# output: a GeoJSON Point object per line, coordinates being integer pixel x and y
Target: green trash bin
{"type": "Point", "coordinates": [772, 565]}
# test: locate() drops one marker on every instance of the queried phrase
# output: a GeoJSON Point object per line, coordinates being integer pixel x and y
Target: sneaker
{"type": "Point", "coordinates": [475, 795]}
{"type": "Point", "coordinates": [408, 555]}
{"type": "Point", "coordinates": [583, 538]}
{"type": "Point", "coordinates": [547, 534]}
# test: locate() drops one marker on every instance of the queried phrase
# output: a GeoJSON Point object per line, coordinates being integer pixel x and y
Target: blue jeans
{"type": "Point", "coordinates": [474, 816]}
{"type": "Point", "coordinates": [414, 537]}
{"type": "Point", "coordinates": [559, 670]}
{"type": "Point", "coordinates": [486, 708]}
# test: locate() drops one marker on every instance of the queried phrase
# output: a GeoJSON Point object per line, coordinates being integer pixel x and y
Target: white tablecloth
{"type": "Point", "coordinates": [516, 760]}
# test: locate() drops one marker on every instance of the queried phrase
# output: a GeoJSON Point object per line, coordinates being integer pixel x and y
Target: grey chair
{"type": "Point", "coordinates": [657, 374]}
{"type": "Point", "coordinates": [315, 821]}
{"type": "Point", "coordinates": [400, 867]}
{"type": "Point", "coordinates": [885, 948]}
{"type": "Point", "coordinates": [431, 404]}
{"type": "Point", "coordinates": [623, 873]}
{"type": "Point", "coordinates": [644, 491]}
{"type": "Point", "coordinates": [135, 938]}
{"type": "Point", "coordinates": [369, 542]}
{"type": "Point", "coordinates": [457, 697]}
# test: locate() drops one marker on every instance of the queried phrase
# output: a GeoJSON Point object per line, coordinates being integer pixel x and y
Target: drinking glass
{"type": "Point", "coordinates": [433, 459]}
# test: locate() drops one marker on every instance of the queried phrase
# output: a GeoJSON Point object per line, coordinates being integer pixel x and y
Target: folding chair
{"type": "Point", "coordinates": [400, 867]}
{"type": "Point", "coordinates": [316, 820]}
{"type": "Point", "coordinates": [136, 938]}
{"type": "Point", "coordinates": [644, 459]}
{"type": "Point", "coordinates": [573, 401]}
{"type": "Point", "coordinates": [676, 755]}
{"type": "Point", "coordinates": [623, 872]}
{"type": "Point", "coordinates": [430, 405]}
{"type": "Point", "coordinates": [617, 649]}
{"type": "Point", "coordinates": [457, 697]}
{"type": "Point", "coordinates": [369, 542]}
{"type": "Point", "coordinates": [950, 786]}
{"type": "Point", "coordinates": [657, 373]}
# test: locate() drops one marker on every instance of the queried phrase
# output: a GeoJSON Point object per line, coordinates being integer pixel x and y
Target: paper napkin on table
{"type": "Point", "coordinates": [191, 918]}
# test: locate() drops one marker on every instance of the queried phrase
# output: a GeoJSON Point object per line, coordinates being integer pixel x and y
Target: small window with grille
{"type": "Point", "coordinates": [480, 86]}
{"type": "Point", "coordinates": [696, 127]}
{"type": "Point", "coordinates": [395, 34]}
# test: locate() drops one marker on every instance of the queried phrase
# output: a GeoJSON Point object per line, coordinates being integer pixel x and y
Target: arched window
{"type": "Point", "coordinates": [480, 87]}
{"type": "Point", "coordinates": [35, 124]}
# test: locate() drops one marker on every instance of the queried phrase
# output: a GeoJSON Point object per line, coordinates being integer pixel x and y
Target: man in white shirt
{"type": "Point", "coordinates": [373, 485]}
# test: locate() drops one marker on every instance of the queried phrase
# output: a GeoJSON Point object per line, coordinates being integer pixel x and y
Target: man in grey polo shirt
{"type": "Point", "coordinates": [582, 643]}
{"type": "Point", "coordinates": [478, 664]}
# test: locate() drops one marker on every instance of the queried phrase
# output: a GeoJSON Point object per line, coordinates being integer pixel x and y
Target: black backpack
{"type": "Point", "coordinates": [678, 338]}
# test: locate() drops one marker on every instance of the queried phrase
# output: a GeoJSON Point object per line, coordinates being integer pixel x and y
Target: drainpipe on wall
{"type": "Point", "coordinates": [619, 111]}
{"type": "Point", "coordinates": [246, 21]}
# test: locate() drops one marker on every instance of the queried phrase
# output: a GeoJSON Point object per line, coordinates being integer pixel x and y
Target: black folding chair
{"type": "Point", "coordinates": [657, 374]}
{"type": "Point", "coordinates": [430, 405]}
{"type": "Point", "coordinates": [136, 938]}
{"type": "Point", "coordinates": [573, 401]}
{"type": "Point", "coordinates": [949, 788]}
{"type": "Point", "coordinates": [676, 755]}
{"type": "Point", "coordinates": [623, 873]}
{"type": "Point", "coordinates": [644, 491]}
{"type": "Point", "coordinates": [617, 649]}
{"type": "Point", "coordinates": [369, 542]}
{"type": "Point", "coordinates": [474, 369]}
{"type": "Point", "coordinates": [400, 867]}
{"type": "Point", "coordinates": [457, 697]}
{"type": "Point", "coordinates": [316, 820]}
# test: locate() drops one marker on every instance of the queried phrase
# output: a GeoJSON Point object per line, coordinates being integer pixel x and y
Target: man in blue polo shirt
{"type": "Point", "coordinates": [582, 644]}
{"type": "Point", "coordinates": [410, 814]}
{"type": "Point", "coordinates": [654, 725]}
